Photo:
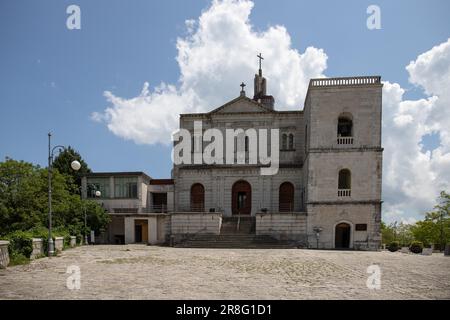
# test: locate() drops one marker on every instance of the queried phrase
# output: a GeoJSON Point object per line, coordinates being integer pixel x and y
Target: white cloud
{"type": "Point", "coordinates": [217, 54]}
{"type": "Point", "coordinates": [412, 177]}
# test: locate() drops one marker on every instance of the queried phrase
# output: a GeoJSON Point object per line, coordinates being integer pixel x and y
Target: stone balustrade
{"type": "Point", "coordinates": [59, 244]}
{"type": "Point", "coordinates": [344, 193]}
{"type": "Point", "coordinates": [344, 140]}
{"type": "Point", "coordinates": [345, 81]}
{"type": "Point", "coordinates": [38, 248]}
{"type": "Point", "coordinates": [4, 254]}
{"type": "Point", "coordinates": [73, 241]}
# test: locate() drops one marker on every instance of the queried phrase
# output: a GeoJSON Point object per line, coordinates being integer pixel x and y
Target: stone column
{"type": "Point", "coordinates": [153, 230]}
{"type": "Point", "coordinates": [129, 230]}
{"type": "Point", "coordinates": [4, 254]}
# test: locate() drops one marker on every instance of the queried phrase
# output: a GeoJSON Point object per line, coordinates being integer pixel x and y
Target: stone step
{"type": "Point", "coordinates": [235, 241]}
{"type": "Point", "coordinates": [246, 225]}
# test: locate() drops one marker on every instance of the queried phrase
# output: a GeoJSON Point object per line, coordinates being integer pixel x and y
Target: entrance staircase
{"type": "Point", "coordinates": [236, 233]}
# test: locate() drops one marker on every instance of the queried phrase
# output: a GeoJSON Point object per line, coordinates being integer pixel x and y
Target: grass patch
{"type": "Point", "coordinates": [18, 259]}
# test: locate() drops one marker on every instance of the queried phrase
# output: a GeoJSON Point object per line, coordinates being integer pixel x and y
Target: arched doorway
{"type": "Point", "coordinates": [342, 236]}
{"type": "Point", "coordinates": [286, 197]}
{"type": "Point", "coordinates": [241, 198]}
{"type": "Point", "coordinates": [197, 197]}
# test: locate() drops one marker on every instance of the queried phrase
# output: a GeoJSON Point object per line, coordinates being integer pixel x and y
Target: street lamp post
{"type": "Point", "coordinates": [97, 193]}
{"type": "Point", "coordinates": [75, 165]}
{"type": "Point", "coordinates": [317, 230]}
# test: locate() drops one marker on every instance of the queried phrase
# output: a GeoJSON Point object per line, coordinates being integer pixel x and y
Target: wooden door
{"type": "Point", "coordinates": [241, 198]}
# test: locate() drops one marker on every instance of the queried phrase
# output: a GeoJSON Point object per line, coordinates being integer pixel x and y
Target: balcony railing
{"type": "Point", "coordinates": [157, 208]}
{"type": "Point", "coordinates": [344, 193]}
{"type": "Point", "coordinates": [125, 210]}
{"type": "Point", "coordinates": [345, 81]}
{"type": "Point", "coordinates": [344, 140]}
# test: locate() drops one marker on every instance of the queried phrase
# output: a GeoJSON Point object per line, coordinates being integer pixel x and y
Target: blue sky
{"type": "Point", "coordinates": [53, 79]}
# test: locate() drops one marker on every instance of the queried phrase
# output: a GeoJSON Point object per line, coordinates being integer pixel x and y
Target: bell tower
{"type": "Point", "coordinates": [260, 88]}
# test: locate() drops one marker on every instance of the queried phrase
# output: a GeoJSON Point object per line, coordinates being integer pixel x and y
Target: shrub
{"type": "Point", "coordinates": [393, 246]}
{"type": "Point", "coordinates": [20, 244]}
{"type": "Point", "coordinates": [66, 242]}
{"type": "Point", "coordinates": [416, 247]}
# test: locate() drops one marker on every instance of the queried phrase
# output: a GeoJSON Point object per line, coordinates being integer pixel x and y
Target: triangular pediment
{"type": "Point", "coordinates": [241, 104]}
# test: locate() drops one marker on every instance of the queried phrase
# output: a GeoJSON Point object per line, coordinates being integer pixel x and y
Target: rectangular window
{"type": "Point", "coordinates": [125, 187]}
{"type": "Point", "coordinates": [98, 184]}
{"type": "Point", "coordinates": [361, 227]}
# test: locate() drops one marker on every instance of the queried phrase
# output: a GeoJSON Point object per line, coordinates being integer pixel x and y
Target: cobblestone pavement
{"type": "Point", "coordinates": [147, 272]}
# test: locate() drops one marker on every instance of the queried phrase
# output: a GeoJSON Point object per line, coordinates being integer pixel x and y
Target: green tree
{"type": "Point", "coordinates": [62, 163]}
{"type": "Point", "coordinates": [403, 234]}
{"type": "Point", "coordinates": [24, 201]}
{"type": "Point", "coordinates": [435, 228]}
{"type": "Point", "coordinates": [20, 207]}
{"type": "Point", "coordinates": [387, 233]}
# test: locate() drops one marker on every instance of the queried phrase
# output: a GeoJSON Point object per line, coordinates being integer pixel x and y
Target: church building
{"type": "Point", "coordinates": [326, 192]}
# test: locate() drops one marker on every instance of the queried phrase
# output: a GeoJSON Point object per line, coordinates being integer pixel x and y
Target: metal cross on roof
{"type": "Point", "coordinates": [242, 86]}
{"type": "Point", "coordinates": [260, 59]}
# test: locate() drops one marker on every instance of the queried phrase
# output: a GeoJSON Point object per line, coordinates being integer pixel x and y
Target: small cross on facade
{"type": "Point", "coordinates": [242, 86]}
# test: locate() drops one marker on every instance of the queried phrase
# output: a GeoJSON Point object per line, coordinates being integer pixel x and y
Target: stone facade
{"type": "Point", "coordinates": [334, 164]}
{"type": "Point", "coordinates": [326, 192]}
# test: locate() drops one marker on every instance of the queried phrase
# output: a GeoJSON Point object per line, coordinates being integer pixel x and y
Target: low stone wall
{"type": "Point", "coordinates": [192, 223]}
{"type": "Point", "coordinates": [38, 248]}
{"type": "Point", "coordinates": [282, 226]}
{"type": "Point", "coordinates": [4, 254]}
{"type": "Point", "coordinates": [59, 244]}
{"type": "Point", "coordinates": [73, 241]}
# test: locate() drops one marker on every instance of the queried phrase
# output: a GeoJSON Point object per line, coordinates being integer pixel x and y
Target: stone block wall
{"type": "Point", "coordinates": [4, 254]}
{"type": "Point", "coordinates": [283, 226]}
{"type": "Point", "coordinates": [191, 223]}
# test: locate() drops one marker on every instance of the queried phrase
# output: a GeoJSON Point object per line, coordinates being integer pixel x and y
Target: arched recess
{"type": "Point", "coordinates": [197, 197]}
{"type": "Point", "coordinates": [241, 198]}
{"type": "Point", "coordinates": [286, 197]}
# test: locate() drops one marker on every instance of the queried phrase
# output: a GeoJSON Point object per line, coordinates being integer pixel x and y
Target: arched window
{"type": "Point", "coordinates": [291, 141]}
{"type": "Point", "coordinates": [345, 126]}
{"type": "Point", "coordinates": [197, 197]}
{"type": "Point", "coordinates": [286, 197]}
{"type": "Point", "coordinates": [284, 142]}
{"type": "Point", "coordinates": [344, 183]}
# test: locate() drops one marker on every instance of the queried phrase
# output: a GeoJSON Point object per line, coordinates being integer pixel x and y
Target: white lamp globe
{"type": "Point", "coordinates": [75, 165]}
{"type": "Point", "coordinates": [98, 193]}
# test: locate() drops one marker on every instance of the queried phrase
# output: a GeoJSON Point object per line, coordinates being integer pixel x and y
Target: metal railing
{"type": "Point", "coordinates": [344, 192]}
{"type": "Point", "coordinates": [125, 210]}
{"type": "Point", "coordinates": [156, 208]}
